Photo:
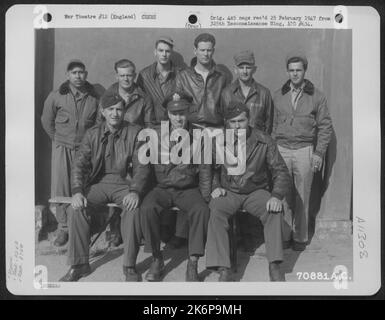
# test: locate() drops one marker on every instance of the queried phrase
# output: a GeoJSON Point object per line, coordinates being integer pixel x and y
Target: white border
{"type": "Point", "coordinates": [19, 86]}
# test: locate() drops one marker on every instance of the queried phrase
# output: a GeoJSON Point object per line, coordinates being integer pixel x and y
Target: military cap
{"type": "Point", "coordinates": [165, 39]}
{"type": "Point", "coordinates": [110, 99]}
{"type": "Point", "coordinates": [75, 63]}
{"type": "Point", "coordinates": [177, 102]}
{"type": "Point", "coordinates": [298, 54]}
{"type": "Point", "coordinates": [234, 109]}
{"type": "Point", "coordinates": [244, 57]}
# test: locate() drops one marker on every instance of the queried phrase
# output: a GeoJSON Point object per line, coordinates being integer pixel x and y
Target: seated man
{"type": "Point", "coordinates": [106, 170]}
{"type": "Point", "coordinates": [177, 185]}
{"type": "Point", "coordinates": [249, 191]}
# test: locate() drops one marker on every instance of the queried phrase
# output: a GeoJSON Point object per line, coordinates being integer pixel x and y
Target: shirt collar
{"type": "Point", "coordinates": [292, 88]}
{"type": "Point", "coordinates": [253, 87]}
{"type": "Point", "coordinates": [155, 72]}
{"type": "Point", "coordinates": [76, 92]}
{"type": "Point", "coordinates": [107, 131]}
{"type": "Point", "coordinates": [134, 93]}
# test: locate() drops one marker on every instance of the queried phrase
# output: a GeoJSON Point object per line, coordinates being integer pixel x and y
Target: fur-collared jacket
{"type": "Point", "coordinates": [65, 118]}
{"type": "Point", "coordinates": [308, 124]}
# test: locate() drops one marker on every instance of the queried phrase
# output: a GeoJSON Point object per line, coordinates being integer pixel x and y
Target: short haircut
{"type": "Point", "coordinates": [204, 37]}
{"type": "Point", "coordinates": [297, 59]}
{"type": "Point", "coordinates": [162, 41]}
{"type": "Point", "coordinates": [124, 63]}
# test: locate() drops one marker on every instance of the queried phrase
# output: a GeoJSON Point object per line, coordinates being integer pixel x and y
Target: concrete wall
{"type": "Point", "coordinates": [330, 69]}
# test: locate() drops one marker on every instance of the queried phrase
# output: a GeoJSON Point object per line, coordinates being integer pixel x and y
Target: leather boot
{"type": "Point", "coordinates": [156, 270]}
{"type": "Point", "coordinates": [76, 272]}
{"type": "Point", "coordinates": [275, 272]}
{"type": "Point", "coordinates": [131, 274]}
{"type": "Point", "coordinates": [224, 274]}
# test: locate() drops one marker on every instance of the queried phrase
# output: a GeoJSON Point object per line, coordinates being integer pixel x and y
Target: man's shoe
{"type": "Point", "coordinates": [275, 272]}
{"type": "Point", "coordinates": [76, 272]}
{"type": "Point", "coordinates": [61, 238]}
{"type": "Point", "coordinates": [156, 270]}
{"type": "Point", "coordinates": [192, 271]}
{"type": "Point", "coordinates": [176, 243]}
{"type": "Point", "coordinates": [131, 274]}
{"type": "Point", "coordinates": [299, 246]}
{"type": "Point", "coordinates": [224, 274]}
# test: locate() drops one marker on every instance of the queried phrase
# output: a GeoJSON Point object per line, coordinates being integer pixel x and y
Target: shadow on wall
{"type": "Point", "coordinates": [44, 65]}
{"type": "Point", "coordinates": [178, 60]}
{"type": "Point", "coordinates": [321, 182]}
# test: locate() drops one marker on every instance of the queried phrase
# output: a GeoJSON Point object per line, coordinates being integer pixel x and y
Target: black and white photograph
{"type": "Point", "coordinates": [120, 114]}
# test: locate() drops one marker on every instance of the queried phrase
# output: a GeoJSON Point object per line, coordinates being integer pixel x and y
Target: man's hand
{"type": "Point", "coordinates": [274, 205]}
{"type": "Point", "coordinates": [218, 192]}
{"type": "Point", "coordinates": [78, 201]}
{"type": "Point", "coordinates": [316, 163]}
{"type": "Point", "coordinates": [131, 201]}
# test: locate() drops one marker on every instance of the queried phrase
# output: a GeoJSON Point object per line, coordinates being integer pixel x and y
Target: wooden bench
{"type": "Point", "coordinates": [232, 226]}
{"type": "Point", "coordinates": [67, 200]}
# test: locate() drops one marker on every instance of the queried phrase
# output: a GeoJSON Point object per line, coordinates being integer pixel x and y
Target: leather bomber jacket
{"type": "Point", "coordinates": [183, 176]}
{"type": "Point", "coordinates": [63, 120]}
{"type": "Point", "coordinates": [88, 165]}
{"type": "Point", "coordinates": [148, 82]}
{"type": "Point", "coordinates": [265, 169]}
{"type": "Point", "coordinates": [206, 105]}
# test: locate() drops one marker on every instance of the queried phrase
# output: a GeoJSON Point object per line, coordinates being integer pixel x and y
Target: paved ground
{"type": "Point", "coordinates": [330, 246]}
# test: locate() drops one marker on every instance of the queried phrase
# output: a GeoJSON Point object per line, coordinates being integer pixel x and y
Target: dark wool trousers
{"type": "Point", "coordinates": [189, 201]}
{"type": "Point", "coordinates": [222, 208]}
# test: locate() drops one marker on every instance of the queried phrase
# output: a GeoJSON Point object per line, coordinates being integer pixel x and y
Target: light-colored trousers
{"type": "Point", "coordinates": [299, 164]}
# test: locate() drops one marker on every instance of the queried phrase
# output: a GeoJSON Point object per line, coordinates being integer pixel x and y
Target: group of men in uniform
{"type": "Point", "coordinates": [95, 157]}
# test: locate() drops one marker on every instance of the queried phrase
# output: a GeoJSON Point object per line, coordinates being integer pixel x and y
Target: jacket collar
{"type": "Point", "coordinates": [89, 88]}
{"type": "Point", "coordinates": [154, 71]}
{"type": "Point", "coordinates": [213, 70]}
{"type": "Point", "coordinates": [235, 86]}
{"type": "Point", "coordinates": [138, 92]}
{"type": "Point", "coordinates": [105, 132]}
{"type": "Point", "coordinates": [308, 88]}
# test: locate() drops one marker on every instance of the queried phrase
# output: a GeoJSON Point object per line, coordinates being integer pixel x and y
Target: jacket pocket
{"type": "Point", "coordinates": [281, 118]}
{"type": "Point", "coordinates": [306, 123]}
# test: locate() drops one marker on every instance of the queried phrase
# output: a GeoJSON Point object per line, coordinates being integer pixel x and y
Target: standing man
{"type": "Point", "coordinates": [302, 129]}
{"type": "Point", "coordinates": [158, 79]}
{"type": "Point", "coordinates": [137, 104]}
{"type": "Point", "coordinates": [106, 170]}
{"type": "Point", "coordinates": [67, 114]}
{"type": "Point", "coordinates": [177, 185]}
{"type": "Point", "coordinates": [245, 89]}
{"type": "Point", "coordinates": [204, 82]}
{"type": "Point", "coordinates": [250, 191]}
{"type": "Point", "coordinates": [258, 100]}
